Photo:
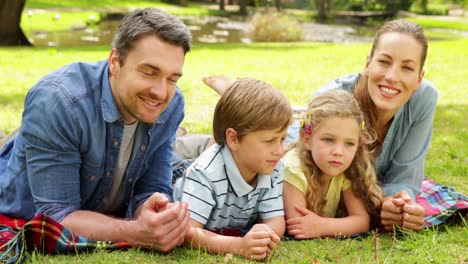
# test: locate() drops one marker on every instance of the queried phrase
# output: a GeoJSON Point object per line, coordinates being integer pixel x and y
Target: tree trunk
{"type": "Point", "coordinates": [321, 9]}
{"type": "Point", "coordinates": [278, 5]}
{"type": "Point", "coordinates": [221, 5]}
{"type": "Point", "coordinates": [10, 17]}
{"type": "Point", "coordinates": [243, 7]}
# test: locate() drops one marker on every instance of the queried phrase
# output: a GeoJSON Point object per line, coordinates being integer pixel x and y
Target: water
{"type": "Point", "coordinates": [204, 30]}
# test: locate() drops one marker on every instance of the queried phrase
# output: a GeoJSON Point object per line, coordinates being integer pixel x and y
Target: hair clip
{"type": "Point", "coordinates": [363, 125]}
{"type": "Point", "coordinates": [302, 122]}
{"type": "Point", "coordinates": [308, 129]}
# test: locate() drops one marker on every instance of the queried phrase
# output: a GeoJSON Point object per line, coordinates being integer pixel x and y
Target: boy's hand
{"type": "Point", "coordinates": [306, 226]}
{"type": "Point", "coordinates": [275, 239]}
{"type": "Point", "coordinates": [257, 243]}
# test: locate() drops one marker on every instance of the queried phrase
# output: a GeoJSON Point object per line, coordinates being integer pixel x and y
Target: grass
{"type": "Point", "coordinates": [448, 23]}
{"type": "Point", "coordinates": [41, 15]}
{"type": "Point", "coordinates": [297, 69]}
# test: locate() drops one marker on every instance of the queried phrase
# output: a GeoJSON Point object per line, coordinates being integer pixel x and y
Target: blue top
{"type": "Point", "coordinates": [65, 154]}
{"type": "Point", "coordinates": [220, 198]}
{"type": "Point", "coordinates": [400, 165]}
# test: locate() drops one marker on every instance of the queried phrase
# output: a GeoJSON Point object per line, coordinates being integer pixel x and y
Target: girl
{"type": "Point", "coordinates": [331, 162]}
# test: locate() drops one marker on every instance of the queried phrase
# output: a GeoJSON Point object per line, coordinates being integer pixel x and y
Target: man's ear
{"type": "Point", "coordinates": [114, 65]}
{"type": "Point", "coordinates": [231, 139]}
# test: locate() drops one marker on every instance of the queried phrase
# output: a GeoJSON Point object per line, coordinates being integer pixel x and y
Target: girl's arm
{"type": "Point", "coordinates": [311, 225]}
{"type": "Point", "coordinates": [292, 196]}
{"type": "Point", "coordinates": [254, 245]}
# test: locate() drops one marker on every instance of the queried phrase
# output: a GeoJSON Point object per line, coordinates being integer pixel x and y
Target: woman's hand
{"type": "Point", "coordinates": [400, 210]}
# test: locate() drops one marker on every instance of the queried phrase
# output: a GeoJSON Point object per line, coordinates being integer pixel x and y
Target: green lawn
{"type": "Point", "coordinates": [297, 70]}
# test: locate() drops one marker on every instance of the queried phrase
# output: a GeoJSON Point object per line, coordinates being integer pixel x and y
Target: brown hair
{"type": "Point", "coordinates": [361, 90]}
{"type": "Point", "coordinates": [250, 105]}
{"type": "Point", "coordinates": [361, 173]}
{"type": "Point", "coordinates": [150, 21]}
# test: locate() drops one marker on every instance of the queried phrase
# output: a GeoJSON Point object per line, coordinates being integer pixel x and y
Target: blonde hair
{"type": "Point", "coordinates": [361, 173]}
{"type": "Point", "coordinates": [250, 105]}
{"type": "Point", "coordinates": [361, 90]}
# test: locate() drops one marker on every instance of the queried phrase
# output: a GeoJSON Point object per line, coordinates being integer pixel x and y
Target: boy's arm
{"type": "Point", "coordinates": [254, 245]}
{"type": "Point", "coordinates": [311, 225]}
{"type": "Point", "coordinates": [276, 224]}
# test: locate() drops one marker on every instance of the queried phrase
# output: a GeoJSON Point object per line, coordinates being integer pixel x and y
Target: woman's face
{"type": "Point", "coordinates": [394, 71]}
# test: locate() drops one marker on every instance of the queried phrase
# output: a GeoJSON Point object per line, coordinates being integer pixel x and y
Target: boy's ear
{"type": "Point", "coordinates": [231, 139]}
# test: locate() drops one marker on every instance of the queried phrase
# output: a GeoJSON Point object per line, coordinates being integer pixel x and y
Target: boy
{"type": "Point", "coordinates": [235, 186]}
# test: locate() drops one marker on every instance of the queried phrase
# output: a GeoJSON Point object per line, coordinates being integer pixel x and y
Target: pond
{"type": "Point", "coordinates": [204, 30]}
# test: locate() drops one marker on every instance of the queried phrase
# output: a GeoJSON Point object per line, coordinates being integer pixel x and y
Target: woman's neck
{"type": "Point", "coordinates": [383, 123]}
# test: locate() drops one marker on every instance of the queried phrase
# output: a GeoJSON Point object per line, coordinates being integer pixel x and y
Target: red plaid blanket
{"type": "Point", "coordinates": [45, 234]}
{"type": "Point", "coordinates": [440, 202]}
{"type": "Point", "coordinates": [42, 232]}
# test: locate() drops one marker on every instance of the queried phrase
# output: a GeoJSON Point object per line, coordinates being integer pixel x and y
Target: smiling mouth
{"type": "Point", "coordinates": [389, 91]}
{"type": "Point", "coordinates": [151, 103]}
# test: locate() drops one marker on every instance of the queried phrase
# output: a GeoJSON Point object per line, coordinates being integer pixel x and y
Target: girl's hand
{"type": "Point", "coordinates": [307, 226]}
{"type": "Point", "coordinates": [257, 242]}
{"type": "Point", "coordinates": [400, 210]}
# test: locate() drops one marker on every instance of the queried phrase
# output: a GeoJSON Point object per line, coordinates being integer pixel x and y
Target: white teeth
{"type": "Point", "coordinates": [151, 103]}
{"type": "Point", "coordinates": [388, 90]}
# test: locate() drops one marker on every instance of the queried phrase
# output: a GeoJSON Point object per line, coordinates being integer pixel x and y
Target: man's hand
{"type": "Point", "coordinates": [400, 210]}
{"type": "Point", "coordinates": [161, 225]}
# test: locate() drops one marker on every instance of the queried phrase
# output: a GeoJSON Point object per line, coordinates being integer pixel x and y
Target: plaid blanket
{"type": "Point", "coordinates": [45, 234]}
{"type": "Point", "coordinates": [17, 236]}
{"type": "Point", "coordinates": [440, 202]}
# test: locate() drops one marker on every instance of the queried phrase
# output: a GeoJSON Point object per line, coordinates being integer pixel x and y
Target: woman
{"type": "Point", "coordinates": [399, 105]}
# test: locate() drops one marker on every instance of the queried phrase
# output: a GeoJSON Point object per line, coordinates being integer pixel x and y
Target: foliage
{"type": "Point", "coordinates": [272, 26]}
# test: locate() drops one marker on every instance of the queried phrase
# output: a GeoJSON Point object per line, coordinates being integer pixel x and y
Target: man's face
{"type": "Point", "coordinates": [145, 84]}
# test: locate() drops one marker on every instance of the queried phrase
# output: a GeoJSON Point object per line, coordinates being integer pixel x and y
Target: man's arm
{"type": "Point", "coordinates": [158, 224]}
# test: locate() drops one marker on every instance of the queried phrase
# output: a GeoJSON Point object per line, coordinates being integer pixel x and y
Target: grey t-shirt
{"type": "Point", "coordinates": [114, 197]}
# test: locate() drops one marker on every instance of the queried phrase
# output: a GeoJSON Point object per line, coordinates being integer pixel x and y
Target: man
{"type": "Point", "coordinates": [94, 147]}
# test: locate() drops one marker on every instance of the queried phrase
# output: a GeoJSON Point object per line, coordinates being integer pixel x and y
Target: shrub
{"type": "Point", "coordinates": [273, 26]}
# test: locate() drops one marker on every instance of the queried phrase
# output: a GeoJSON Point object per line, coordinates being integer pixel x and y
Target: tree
{"type": "Point", "coordinates": [11, 33]}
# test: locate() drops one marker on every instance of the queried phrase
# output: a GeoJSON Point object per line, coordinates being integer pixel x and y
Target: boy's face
{"type": "Point", "coordinates": [258, 152]}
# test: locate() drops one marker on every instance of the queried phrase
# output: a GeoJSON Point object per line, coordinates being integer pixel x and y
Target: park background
{"type": "Point", "coordinates": [295, 67]}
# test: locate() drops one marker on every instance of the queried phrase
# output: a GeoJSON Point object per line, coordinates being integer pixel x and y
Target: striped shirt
{"type": "Point", "coordinates": [219, 197]}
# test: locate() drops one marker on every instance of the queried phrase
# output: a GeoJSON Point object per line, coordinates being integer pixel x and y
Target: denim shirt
{"type": "Point", "coordinates": [400, 165]}
{"type": "Point", "coordinates": [65, 154]}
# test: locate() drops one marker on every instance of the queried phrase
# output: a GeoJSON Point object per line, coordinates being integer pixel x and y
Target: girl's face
{"type": "Point", "coordinates": [333, 144]}
{"type": "Point", "coordinates": [394, 71]}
